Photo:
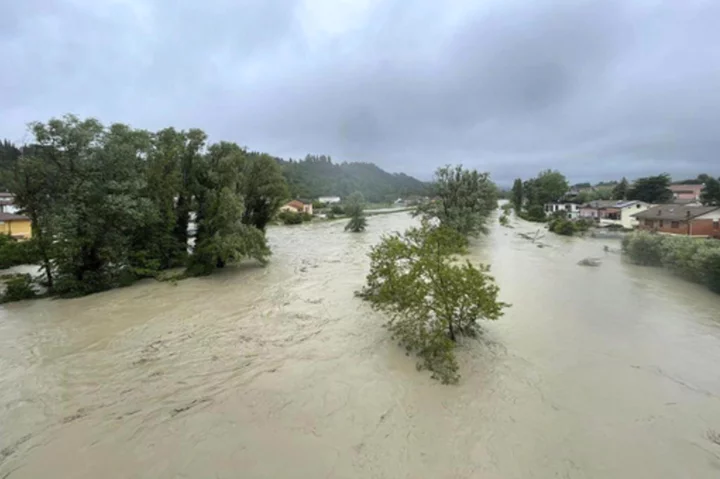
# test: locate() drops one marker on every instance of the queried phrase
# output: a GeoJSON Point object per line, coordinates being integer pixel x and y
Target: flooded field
{"type": "Point", "coordinates": [279, 372]}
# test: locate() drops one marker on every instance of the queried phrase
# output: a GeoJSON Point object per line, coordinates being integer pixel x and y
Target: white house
{"type": "Point", "coordinates": [623, 212]}
{"type": "Point", "coordinates": [329, 199]}
{"type": "Point", "coordinates": [7, 203]}
{"type": "Point", "coordinates": [571, 210]}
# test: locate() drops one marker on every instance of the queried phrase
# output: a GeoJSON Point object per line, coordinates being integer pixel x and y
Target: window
{"type": "Point", "coordinates": [649, 223]}
{"type": "Point", "coordinates": [661, 223]}
{"type": "Point", "coordinates": [716, 225]}
{"type": "Point", "coordinates": [675, 224]}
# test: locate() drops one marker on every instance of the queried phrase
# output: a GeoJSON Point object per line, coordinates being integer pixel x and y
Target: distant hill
{"type": "Point", "coordinates": [318, 176]}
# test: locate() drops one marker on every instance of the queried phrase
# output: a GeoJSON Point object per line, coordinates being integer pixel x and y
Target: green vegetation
{"type": "Point", "coordinates": [559, 224]}
{"type": "Point", "coordinates": [694, 259]}
{"type": "Point", "coordinates": [430, 299]}
{"type": "Point", "coordinates": [530, 197]}
{"type": "Point", "coordinates": [17, 288]}
{"type": "Point", "coordinates": [620, 192]}
{"type": "Point", "coordinates": [354, 209]}
{"type": "Point", "coordinates": [415, 277]}
{"type": "Point", "coordinates": [14, 253]}
{"type": "Point", "coordinates": [651, 189]}
{"type": "Point", "coordinates": [113, 204]}
{"type": "Point", "coordinates": [293, 218]}
{"type": "Point", "coordinates": [711, 193]}
{"type": "Point", "coordinates": [318, 176]}
{"type": "Point", "coordinates": [463, 200]}
{"type": "Point", "coordinates": [517, 195]}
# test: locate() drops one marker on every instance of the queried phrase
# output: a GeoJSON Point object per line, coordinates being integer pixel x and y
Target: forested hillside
{"type": "Point", "coordinates": [319, 176]}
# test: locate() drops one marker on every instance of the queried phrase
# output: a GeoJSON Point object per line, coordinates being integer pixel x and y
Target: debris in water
{"type": "Point", "coordinates": [714, 437]}
{"type": "Point", "coordinates": [589, 262]}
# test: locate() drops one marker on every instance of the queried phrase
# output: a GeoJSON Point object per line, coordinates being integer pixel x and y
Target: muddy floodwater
{"type": "Point", "coordinates": [279, 372]}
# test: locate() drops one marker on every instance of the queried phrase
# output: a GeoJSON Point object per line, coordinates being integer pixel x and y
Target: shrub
{"type": "Point", "coordinates": [694, 259]}
{"type": "Point", "coordinates": [562, 226]}
{"type": "Point", "coordinates": [290, 218]}
{"type": "Point", "coordinates": [17, 288]}
{"type": "Point", "coordinates": [305, 216]}
{"type": "Point", "coordinates": [535, 213]}
{"type": "Point", "coordinates": [14, 252]}
{"type": "Point", "coordinates": [337, 210]}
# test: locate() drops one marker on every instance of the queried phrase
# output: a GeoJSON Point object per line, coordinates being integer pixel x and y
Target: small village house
{"type": "Point", "coordinates": [7, 203]}
{"type": "Point", "coordinates": [571, 210]}
{"type": "Point", "coordinates": [16, 226]}
{"type": "Point", "coordinates": [703, 221]}
{"type": "Point", "coordinates": [297, 206]}
{"type": "Point", "coordinates": [686, 192]}
{"type": "Point", "coordinates": [600, 209]}
{"type": "Point", "coordinates": [624, 214]}
{"type": "Point", "coordinates": [329, 200]}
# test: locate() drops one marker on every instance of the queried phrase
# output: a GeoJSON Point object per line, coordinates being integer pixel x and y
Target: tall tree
{"type": "Point", "coordinates": [354, 207]}
{"type": "Point", "coordinates": [264, 189]}
{"type": "Point", "coordinates": [221, 236]}
{"type": "Point", "coordinates": [651, 189]}
{"type": "Point", "coordinates": [193, 148]}
{"type": "Point", "coordinates": [517, 194]}
{"type": "Point", "coordinates": [711, 193]}
{"type": "Point", "coordinates": [464, 200]}
{"type": "Point", "coordinates": [551, 186]}
{"type": "Point", "coordinates": [620, 191]}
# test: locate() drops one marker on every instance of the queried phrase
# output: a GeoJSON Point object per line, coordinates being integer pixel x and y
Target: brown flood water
{"type": "Point", "coordinates": [279, 372]}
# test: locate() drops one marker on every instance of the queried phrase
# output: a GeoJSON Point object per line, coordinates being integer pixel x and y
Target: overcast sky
{"type": "Point", "coordinates": [597, 89]}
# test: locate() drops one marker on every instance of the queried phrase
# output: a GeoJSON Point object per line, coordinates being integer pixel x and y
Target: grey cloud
{"type": "Point", "coordinates": [596, 89]}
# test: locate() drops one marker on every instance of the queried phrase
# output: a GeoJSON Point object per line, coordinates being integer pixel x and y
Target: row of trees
{"type": "Point", "coordinates": [431, 299]}
{"type": "Point", "coordinates": [113, 204]}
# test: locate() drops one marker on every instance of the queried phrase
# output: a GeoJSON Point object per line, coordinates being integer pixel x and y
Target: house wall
{"type": "Point", "coordinates": [588, 213]}
{"type": "Point", "coordinates": [697, 227]}
{"type": "Point", "coordinates": [626, 218]}
{"type": "Point", "coordinates": [17, 228]}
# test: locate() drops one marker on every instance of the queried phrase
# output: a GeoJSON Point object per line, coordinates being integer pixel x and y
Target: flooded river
{"type": "Point", "coordinates": [279, 372]}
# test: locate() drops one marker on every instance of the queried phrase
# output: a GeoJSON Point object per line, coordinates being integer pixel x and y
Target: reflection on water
{"type": "Point", "coordinates": [280, 372]}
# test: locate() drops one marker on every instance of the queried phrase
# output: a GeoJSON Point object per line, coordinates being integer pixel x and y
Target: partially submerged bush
{"type": "Point", "coordinates": [535, 213]}
{"type": "Point", "coordinates": [17, 288]}
{"type": "Point", "coordinates": [14, 252]}
{"type": "Point", "coordinates": [694, 259]}
{"type": "Point", "coordinates": [430, 299]}
{"type": "Point", "coordinates": [290, 218]}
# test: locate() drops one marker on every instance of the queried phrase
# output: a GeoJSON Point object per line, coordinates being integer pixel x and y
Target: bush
{"type": "Point", "coordinates": [290, 218]}
{"type": "Point", "coordinates": [562, 226]}
{"type": "Point", "coordinates": [305, 216]}
{"type": "Point", "coordinates": [337, 210]}
{"type": "Point", "coordinates": [14, 252]}
{"type": "Point", "coordinates": [694, 259]}
{"type": "Point", "coordinates": [535, 213]}
{"type": "Point", "coordinates": [504, 219]}
{"type": "Point", "coordinates": [17, 288]}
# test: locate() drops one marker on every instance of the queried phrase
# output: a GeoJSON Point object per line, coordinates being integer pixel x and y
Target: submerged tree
{"type": "Point", "coordinates": [517, 195]}
{"type": "Point", "coordinates": [430, 299]}
{"type": "Point", "coordinates": [354, 209]}
{"type": "Point", "coordinates": [463, 200]}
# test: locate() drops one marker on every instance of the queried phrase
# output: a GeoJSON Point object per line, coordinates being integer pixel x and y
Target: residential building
{"type": "Point", "coordinates": [17, 226]}
{"type": "Point", "coordinates": [623, 214]}
{"type": "Point", "coordinates": [328, 200]}
{"type": "Point", "coordinates": [599, 209]}
{"type": "Point", "coordinates": [682, 220]}
{"type": "Point", "coordinates": [571, 210]}
{"type": "Point", "coordinates": [297, 206]}
{"type": "Point", "coordinates": [7, 203]}
{"type": "Point", "coordinates": [686, 192]}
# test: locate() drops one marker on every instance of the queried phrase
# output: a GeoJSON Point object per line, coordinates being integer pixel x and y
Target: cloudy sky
{"type": "Point", "coordinates": [598, 89]}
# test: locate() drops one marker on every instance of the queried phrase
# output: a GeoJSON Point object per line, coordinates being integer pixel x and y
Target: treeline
{"type": "Point", "coordinates": [529, 197]}
{"type": "Point", "coordinates": [432, 300]}
{"type": "Point", "coordinates": [112, 204]}
{"type": "Point", "coordinates": [317, 175]}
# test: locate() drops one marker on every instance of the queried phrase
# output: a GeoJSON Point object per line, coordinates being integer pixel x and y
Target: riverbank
{"type": "Point", "coordinates": [592, 373]}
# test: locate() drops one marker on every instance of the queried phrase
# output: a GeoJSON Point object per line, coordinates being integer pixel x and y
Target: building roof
{"type": "Point", "coordinates": [603, 204]}
{"type": "Point", "coordinates": [675, 212]}
{"type": "Point", "coordinates": [12, 217]}
{"type": "Point", "coordinates": [5, 194]}
{"type": "Point", "coordinates": [692, 188]}
{"type": "Point", "coordinates": [297, 204]}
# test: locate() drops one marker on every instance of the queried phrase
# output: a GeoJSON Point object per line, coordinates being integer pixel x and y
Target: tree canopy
{"type": "Point", "coordinates": [110, 204]}
{"type": "Point", "coordinates": [354, 206]}
{"type": "Point", "coordinates": [463, 199]}
{"type": "Point", "coordinates": [711, 193]}
{"type": "Point", "coordinates": [651, 189]}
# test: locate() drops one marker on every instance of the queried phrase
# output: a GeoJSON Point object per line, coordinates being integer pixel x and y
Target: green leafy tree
{"type": "Point", "coordinates": [550, 186]}
{"type": "Point", "coordinates": [465, 199]}
{"type": "Point", "coordinates": [711, 193]}
{"type": "Point", "coordinates": [263, 188]}
{"type": "Point", "coordinates": [354, 208]}
{"type": "Point", "coordinates": [221, 235]}
{"type": "Point", "coordinates": [516, 197]}
{"type": "Point", "coordinates": [431, 300]}
{"type": "Point", "coordinates": [620, 191]}
{"type": "Point", "coordinates": [651, 189]}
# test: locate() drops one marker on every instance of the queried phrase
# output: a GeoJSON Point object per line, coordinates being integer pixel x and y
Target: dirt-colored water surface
{"type": "Point", "coordinates": [279, 372]}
